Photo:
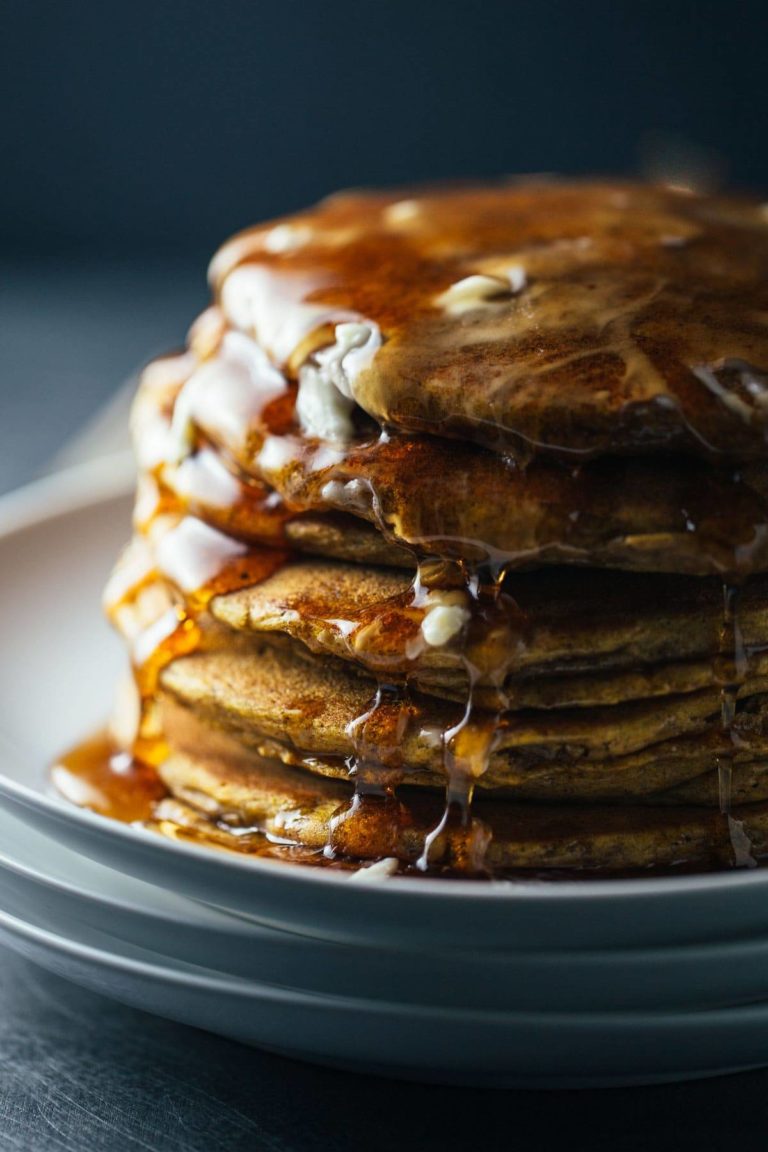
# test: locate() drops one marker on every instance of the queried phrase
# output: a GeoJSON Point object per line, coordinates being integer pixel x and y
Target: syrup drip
{"type": "Point", "coordinates": [459, 842]}
{"type": "Point", "coordinates": [731, 668]}
{"type": "Point", "coordinates": [468, 745]}
{"type": "Point", "coordinates": [190, 562]}
{"type": "Point", "coordinates": [376, 768]}
{"type": "Point", "coordinates": [101, 776]}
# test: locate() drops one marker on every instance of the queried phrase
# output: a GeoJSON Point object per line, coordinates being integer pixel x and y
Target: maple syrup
{"type": "Point", "coordinates": [97, 774]}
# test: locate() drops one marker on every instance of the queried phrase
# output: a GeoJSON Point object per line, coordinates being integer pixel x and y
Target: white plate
{"type": "Point", "coordinates": [59, 662]}
{"type": "Point", "coordinates": [529, 1050]}
{"type": "Point", "coordinates": [64, 891]}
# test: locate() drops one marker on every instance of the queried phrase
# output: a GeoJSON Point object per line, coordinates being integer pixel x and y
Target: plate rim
{"type": "Point", "coordinates": [211, 980]}
{"type": "Point", "coordinates": [49, 881]}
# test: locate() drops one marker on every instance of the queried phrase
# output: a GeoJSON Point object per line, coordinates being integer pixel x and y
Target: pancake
{"type": "Point", "coordinates": [747, 783]}
{"type": "Point", "coordinates": [310, 713]}
{"type": "Point", "coordinates": [444, 497]}
{"type": "Point", "coordinates": [549, 670]}
{"type": "Point", "coordinates": [574, 317]}
{"type": "Point", "coordinates": [458, 501]}
{"type": "Point", "coordinates": [548, 638]}
{"type": "Point", "coordinates": [251, 511]}
{"type": "Point", "coordinates": [343, 537]}
{"type": "Point", "coordinates": [679, 771]}
{"type": "Point", "coordinates": [294, 808]}
{"type": "Point", "coordinates": [574, 690]}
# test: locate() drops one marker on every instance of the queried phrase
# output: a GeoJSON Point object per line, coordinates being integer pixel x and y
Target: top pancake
{"type": "Point", "coordinates": [567, 317]}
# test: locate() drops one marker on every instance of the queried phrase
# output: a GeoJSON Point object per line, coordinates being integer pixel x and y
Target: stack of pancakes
{"type": "Point", "coordinates": [451, 538]}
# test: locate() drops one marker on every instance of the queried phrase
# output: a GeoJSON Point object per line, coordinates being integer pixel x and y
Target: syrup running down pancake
{"type": "Point", "coordinates": [451, 540]}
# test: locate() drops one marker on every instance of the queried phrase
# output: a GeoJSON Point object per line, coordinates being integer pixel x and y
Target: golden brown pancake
{"type": "Point", "coordinates": [344, 537]}
{"type": "Point", "coordinates": [295, 808]}
{"type": "Point", "coordinates": [680, 772]}
{"type": "Point", "coordinates": [307, 711]}
{"type": "Point", "coordinates": [554, 640]}
{"type": "Point", "coordinates": [747, 783]}
{"type": "Point", "coordinates": [609, 317]}
{"type": "Point", "coordinates": [565, 637]}
{"type": "Point", "coordinates": [569, 690]}
{"type": "Point", "coordinates": [454, 499]}
{"type": "Point", "coordinates": [634, 659]}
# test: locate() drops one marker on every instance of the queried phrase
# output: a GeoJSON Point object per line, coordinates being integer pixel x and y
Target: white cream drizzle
{"type": "Point", "coordinates": [192, 553]}
{"type": "Point", "coordinates": [270, 306]}
{"type": "Point", "coordinates": [326, 400]}
{"type": "Point", "coordinates": [206, 478]}
{"type": "Point", "coordinates": [224, 394]}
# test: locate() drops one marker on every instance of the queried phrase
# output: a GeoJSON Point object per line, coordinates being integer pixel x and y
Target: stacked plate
{"type": "Point", "coordinates": [530, 984]}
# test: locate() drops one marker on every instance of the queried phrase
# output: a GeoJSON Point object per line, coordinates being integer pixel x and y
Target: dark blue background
{"type": "Point", "coordinates": [166, 124]}
{"type": "Point", "coordinates": [135, 136]}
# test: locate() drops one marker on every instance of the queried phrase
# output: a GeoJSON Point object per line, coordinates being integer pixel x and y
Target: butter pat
{"type": "Point", "coordinates": [402, 212]}
{"type": "Point", "coordinates": [471, 292]}
{"type": "Point", "coordinates": [517, 278]}
{"type": "Point", "coordinates": [374, 873]}
{"type": "Point", "coordinates": [287, 237]}
{"type": "Point", "coordinates": [479, 290]}
{"type": "Point", "coordinates": [445, 617]}
{"type": "Point", "coordinates": [482, 288]}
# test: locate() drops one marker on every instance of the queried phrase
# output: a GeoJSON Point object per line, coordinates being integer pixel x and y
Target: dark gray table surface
{"type": "Point", "coordinates": [81, 1073]}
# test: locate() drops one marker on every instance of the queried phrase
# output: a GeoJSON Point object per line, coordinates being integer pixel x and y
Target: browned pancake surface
{"type": "Point", "coordinates": [294, 808]}
{"type": "Point", "coordinates": [625, 317]}
{"type": "Point", "coordinates": [558, 637]}
{"type": "Point", "coordinates": [306, 712]}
